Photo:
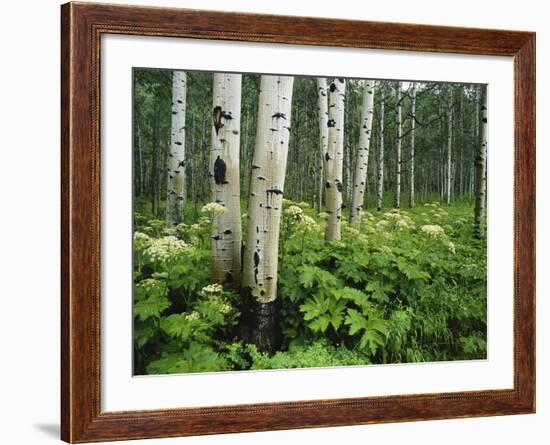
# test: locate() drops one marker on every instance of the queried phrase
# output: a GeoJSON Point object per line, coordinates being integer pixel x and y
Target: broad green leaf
{"type": "Point", "coordinates": [355, 320]}
{"type": "Point", "coordinates": [151, 307]}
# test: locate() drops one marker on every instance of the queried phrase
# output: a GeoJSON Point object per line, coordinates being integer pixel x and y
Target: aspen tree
{"type": "Point", "coordinates": [175, 193]}
{"type": "Point", "coordinates": [399, 123]}
{"type": "Point", "coordinates": [449, 148]}
{"type": "Point", "coordinates": [323, 133]}
{"type": "Point", "coordinates": [260, 259]}
{"type": "Point", "coordinates": [335, 158]}
{"type": "Point", "coordinates": [362, 162]}
{"type": "Point", "coordinates": [380, 188]}
{"type": "Point", "coordinates": [480, 178]}
{"type": "Point", "coordinates": [225, 178]}
{"type": "Point", "coordinates": [412, 154]}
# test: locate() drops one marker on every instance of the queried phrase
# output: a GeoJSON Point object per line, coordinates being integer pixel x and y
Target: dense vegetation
{"type": "Point", "coordinates": [403, 285]}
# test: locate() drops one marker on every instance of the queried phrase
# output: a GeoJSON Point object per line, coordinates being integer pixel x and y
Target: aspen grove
{"type": "Point", "coordinates": [289, 221]}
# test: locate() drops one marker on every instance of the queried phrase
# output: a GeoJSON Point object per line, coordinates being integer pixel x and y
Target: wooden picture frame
{"type": "Point", "coordinates": [82, 26]}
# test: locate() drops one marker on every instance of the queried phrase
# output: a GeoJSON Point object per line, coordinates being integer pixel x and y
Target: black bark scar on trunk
{"type": "Point", "coordinates": [259, 323]}
{"type": "Point", "coordinates": [220, 168]}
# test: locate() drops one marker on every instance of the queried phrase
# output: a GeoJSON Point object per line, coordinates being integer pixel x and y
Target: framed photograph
{"type": "Point", "coordinates": [275, 222]}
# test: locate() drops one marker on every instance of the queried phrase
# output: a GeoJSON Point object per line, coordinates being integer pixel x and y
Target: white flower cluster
{"type": "Point", "coordinates": [294, 211]}
{"type": "Point", "coordinates": [140, 236]}
{"type": "Point", "coordinates": [213, 288]}
{"type": "Point", "coordinates": [433, 230]}
{"type": "Point", "coordinates": [394, 214]}
{"type": "Point", "coordinates": [192, 316]}
{"type": "Point", "coordinates": [214, 208]}
{"type": "Point", "coordinates": [141, 240]}
{"type": "Point", "coordinates": [402, 224]}
{"type": "Point", "coordinates": [353, 230]}
{"type": "Point", "coordinates": [432, 204]}
{"type": "Point", "coordinates": [356, 234]}
{"type": "Point", "coordinates": [396, 219]}
{"type": "Point", "coordinates": [150, 285]}
{"type": "Point", "coordinates": [170, 231]}
{"type": "Point", "coordinates": [220, 304]}
{"type": "Point", "coordinates": [308, 222]}
{"type": "Point", "coordinates": [366, 215]}
{"type": "Point", "coordinates": [163, 249]}
{"type": "Point", "coordinates": [452, 247]}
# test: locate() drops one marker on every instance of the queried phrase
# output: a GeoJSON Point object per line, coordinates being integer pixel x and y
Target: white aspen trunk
{"type": "Point", "coordinates": [348, 177]}
{"type": "Point", "coordinates": [449, 149]}
{"type": "Point", "coordinates": [362, 163]}
{"type": "Point", "coordinates": [175, 196]}
{"type": "Point", "coordinates": [267, 188]}
{"type": "Point", "coordinates": [380, 188]}
{"type": "Point", "coordinates": [225, 178]}
{"type": "Point", "coordinates": [335, 158]}
{"type": "Point", "coordinates": [140, 159]}
{"type": "Point", "coordinates": [261, 252]}
{"type": "Point", "coordinates": [441, 148]}
{"type": "Point", "coordinates": [481, 167]}
{"type": "Point", "coordinates": [472, 177]}
{"type": "Point", "coordinates": [397, 200]}
{"type": "Point", "coordinates": [323, 133]}
{"type": "Point", "coordinates": [461, 159]}
{"type": "Point", "coordinates": [155, 156]}
{"type": "Point", "coordinates": [411, 167]}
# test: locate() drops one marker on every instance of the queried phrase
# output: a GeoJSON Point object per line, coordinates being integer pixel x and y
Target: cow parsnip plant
{"type": "Point", "coordinates": [403, 286]}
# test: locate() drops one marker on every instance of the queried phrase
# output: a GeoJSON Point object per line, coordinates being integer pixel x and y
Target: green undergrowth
{"type": "Point", "coordinates": [405, 286]}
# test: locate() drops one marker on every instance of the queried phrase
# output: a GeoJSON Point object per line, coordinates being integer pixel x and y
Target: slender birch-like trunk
{"type": "Point", "coordinates": [348, 154]}
{"type": "Point", "coordinates": [335, 158]}
{"type": "Point", "coordinates": [203, 161]}
{"type": "Point", "coordinates": [175, 190]}
{"type": "Point", "coordinates": [260, 260]}
{"type": "Point", "coordinates": [397, 198]}
{"type": "Point", "coordinates": [449, 149]}
{"type": "Point", "coordinates": [224, 168]}
{"type": "Point", "coordinates": [480, 183]}
{"type": "Point", "coordinates": [155, 198]}
{"type": "Point", "coordinates": [162, 171]}
{"type": "Point", "coordinates": [441, 148]}
{"type": "Point", "coordinates": [362, 162]}
{"type": "Point", "coordinates": [461, 158]}
{"type": "Point", "coordinates": [139, 190]}
{"type": "Point", "coordinates": [380, 188]}
{"type": "Point", "coordinates": [411, 164]}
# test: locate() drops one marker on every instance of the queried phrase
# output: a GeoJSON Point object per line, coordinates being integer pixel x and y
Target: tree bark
{"type": "Point", "coordinates": [203, 161]}
{"type": "Point", "coordinates": [175, 190]}
{"type": "Point", "coordinates": [397, 198]}
{"type": "Point", "coordinates": [412, 161]}
{"type": "Point", "coordinates": [380, 188]}
{"type": "Point", "coordinates": [362, 162]}
{"type": "Point", "coordinates": [225, 178]}
{"type": "Point", "coordinates": [260, 260]}
{"type": "Point", "coordinates": [461, 159]}
{"type": "Point", "coordinates": [335, 158]}
{"type": "Point", "coordinates": [480, 184]}
{"type": "Point", "coordinates": [449, 148]}
{"type": "Point", "coordinates": [155, 158]}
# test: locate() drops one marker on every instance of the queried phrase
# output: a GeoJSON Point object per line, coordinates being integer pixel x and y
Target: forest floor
{"type": "Point", "coordinates": [405, 286]}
